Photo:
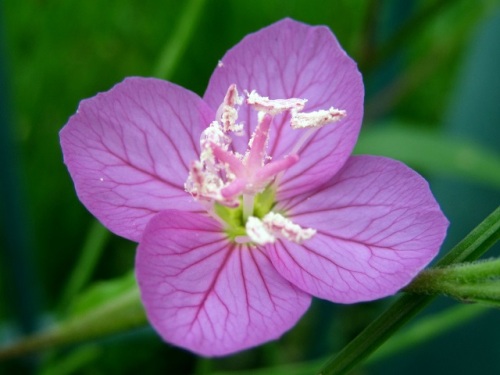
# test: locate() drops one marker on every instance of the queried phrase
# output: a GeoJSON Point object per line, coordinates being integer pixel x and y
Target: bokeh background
{"type": "Point", "coordinates": [432, 100]}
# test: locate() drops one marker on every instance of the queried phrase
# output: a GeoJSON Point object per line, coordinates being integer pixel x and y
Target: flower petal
{"type": "Point", "coordinates": [290, 59]}
{"type": "Point", "coordinates": [128, 151]}
{"type": "Point", "coordinates": [210, 296]}
{"type": "Point", "coordinates": [378, 226]}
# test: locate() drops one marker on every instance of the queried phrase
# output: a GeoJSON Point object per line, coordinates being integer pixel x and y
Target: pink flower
{"type": "Point", "coordinates": [247, 203]}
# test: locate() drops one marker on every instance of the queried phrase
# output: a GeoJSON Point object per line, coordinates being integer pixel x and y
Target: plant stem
{"type": "Point", "coordinates": [119, 314]}
{"type": "Point", "coordinates": [91, 251]}
{"type": "Point", "coordinates": [176, 45]}
{"type": "Point", "coordinates": [444, 280]}
{"type": "Point", "coordinates": [407, 306]}
{"type": "Point", "coordinates": [427, 329]}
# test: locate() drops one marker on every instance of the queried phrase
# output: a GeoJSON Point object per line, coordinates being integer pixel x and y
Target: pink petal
{"type": "Point", "coordinates": [128, 151]}
{"type": "Point", "coordinates": [291, 59]}
{"type": "Point", "coordinates": [378, 226]}
{"type": "Point", "coordinates": [210, 296]}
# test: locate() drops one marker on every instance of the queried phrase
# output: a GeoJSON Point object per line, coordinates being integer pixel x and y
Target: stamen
{"type": "Point", "coordinates": [227, 112]}
{"type": "Point", "coordinates": [214, 134]}
{"type": "Point", "coordinates": [221, 175]}
{"type": "Point", "coordinates": [316, 119]}
{"type": "Point", "coordinates": [274, 106]}
{"type": "Point", "coordinates": [203, 184]}
{"type": "Point", "coordinates": [258, 232]}
{"type": "Point", "coordinates": [303, 139]}
{"type": "Point", "coordinates": [278, 224]}
{"type": "Point", "coordinates": [273, 225]}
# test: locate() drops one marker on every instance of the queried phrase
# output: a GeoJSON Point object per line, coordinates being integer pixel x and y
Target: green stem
{"type": "Point", "coordinates": [407, 306]}
{"type": "Point", "coordinates": [488, 293]}
{"type": "Point", "coordinates": [175, 47]}
{"type": "Point", "coordinates": [440, 280]}
{"type": "Point", "coordinates": [476, 243]}
{"type": "Point", "coordinates": [92, 250]}
{"type": "Point", "coordinates": [427, 329]}
{"type": "Point", "coordinates": [120, 314]}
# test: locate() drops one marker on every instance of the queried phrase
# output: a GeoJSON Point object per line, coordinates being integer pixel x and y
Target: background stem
{"type": "Point", "coordinates": [407, 306]}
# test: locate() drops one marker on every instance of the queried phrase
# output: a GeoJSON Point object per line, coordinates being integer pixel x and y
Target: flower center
{"type": "Point", "coordinates": [239, 189]}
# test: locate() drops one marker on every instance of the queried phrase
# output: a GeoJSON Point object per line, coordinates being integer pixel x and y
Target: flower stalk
{"type": "Point", "coordinates": [468, 282]}
{"type": "Point", "coordinates": [119, 314]}
{"type": "Point", "coordinates": [475, 244]}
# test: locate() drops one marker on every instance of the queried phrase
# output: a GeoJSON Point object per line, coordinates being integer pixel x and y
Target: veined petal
{"type": "Point", "coordinates": [292, 60]}
{"type": "Point", "coordinates": [377, 226]}
{"type": "Point", "coordinates": [128, 151]}
{"type": "Point", "coordinates": [207, 295]}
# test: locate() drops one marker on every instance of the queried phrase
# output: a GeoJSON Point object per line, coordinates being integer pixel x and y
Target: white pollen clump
{"type": "Point", "coordinates": [214, 134]}
{"type": "Point", "coordinates": [205, 181]}
{"type": "Point", "coordinates": [275, 225]}
{"type": "Point", "coordinates": [316, 119]}
{"type": "Point", "coordinates": [257, 231]}
{"type": "Point", "coordinates": [227, 112]}
{"type": "Point", "coordinates": [220, 64]}
{"type": "Point", "coordinates": [286, 228]}
{"type": "Point", "coordinates": [274, 106]}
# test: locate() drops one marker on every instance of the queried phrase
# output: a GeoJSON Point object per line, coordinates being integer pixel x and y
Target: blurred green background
{"type": "Point", "coordinates": [432, 100]}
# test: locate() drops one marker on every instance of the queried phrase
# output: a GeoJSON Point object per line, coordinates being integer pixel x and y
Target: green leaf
{"type": "Point", "coordinates": [90, 254]}
{"type": "Point", "coordinates": [120, 313]}
{"type": "Point", "coordinates": [431, 152]}
{"type": "Point", "coordinates": [101, 293]}
{"type": "Point", "coordinates": [72, 362]}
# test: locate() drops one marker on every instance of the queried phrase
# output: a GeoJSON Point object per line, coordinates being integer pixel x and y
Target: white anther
{"type": "Point", "coordinates": [214, 134]}
{"type": "Point", "coordinates": [280, 225]}
{"type": "Point", "coordinates": [205, 184]}
{"type": "Point", "coordinates": [275, 225]}
{"type": "Point", "coordinates": [227, 113]}
{"type": "Point", "coordinates": [257, 231]}
{"type": "Point", "coordinates": [317, 118]}
{"type": "Point", "coordinates": [205, 180]}
{"type": "Point", "coordinates": [274, 106]}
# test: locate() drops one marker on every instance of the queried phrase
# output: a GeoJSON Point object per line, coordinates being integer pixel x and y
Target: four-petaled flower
{"type": "Point", "coordinates": [247, 203]}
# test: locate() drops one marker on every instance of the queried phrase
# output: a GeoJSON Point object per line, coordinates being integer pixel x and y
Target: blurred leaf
{"type": "Point", "coordinates": [69, 364]}
{"type": "Point", "coordinates": [101, 293]}
{"type": "Point", "coordinates": [432, 153]}
{"type": "Point", "coordinates": [96, 318]}
{"type": "Point", "coordinates": [92, 249]}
